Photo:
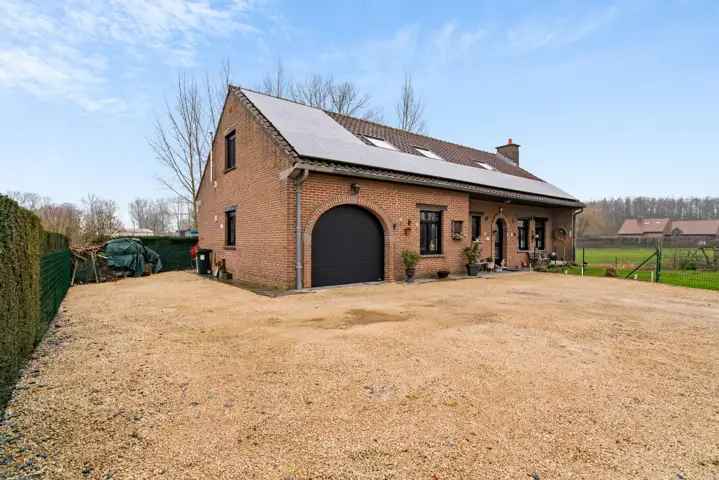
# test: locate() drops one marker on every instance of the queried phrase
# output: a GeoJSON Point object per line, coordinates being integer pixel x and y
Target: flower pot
{"type": "Point", "coordinates": [442, 274]}
{"type": "Point", "coordinates": [472, 269]}
{"type": "Point", "coordinates": [409, 274]}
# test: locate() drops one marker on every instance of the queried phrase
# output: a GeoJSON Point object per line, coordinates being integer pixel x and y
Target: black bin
{"type": "Point", "coordinates": [204, 267]}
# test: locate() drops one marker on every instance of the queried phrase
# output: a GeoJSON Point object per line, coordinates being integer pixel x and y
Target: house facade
{"type": "Point", "coordinates": [296, 197]}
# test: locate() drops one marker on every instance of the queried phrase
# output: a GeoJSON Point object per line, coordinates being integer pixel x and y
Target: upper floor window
{"type": "Point", "coordinates": [540, 229]}
{"type": "Point", "coordinates": [230, 150]}
{"type": "Point", "coordinates": [230, 228]}
{"type": "Point", "coordinates": [430, 232]}
{"type": "Point", "coordinates": [378, 142]}
{"type": "Point", "coordinates": [523, 233]}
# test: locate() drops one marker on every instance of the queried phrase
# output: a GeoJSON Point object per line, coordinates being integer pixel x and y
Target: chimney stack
{"type": "Point", "coordinates": [510, 150]}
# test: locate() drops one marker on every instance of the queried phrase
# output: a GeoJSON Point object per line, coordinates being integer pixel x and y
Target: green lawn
{"type": "Point", "coordinates": [626, 259]}
{"type": "Point", "coordinates": [623, 256]}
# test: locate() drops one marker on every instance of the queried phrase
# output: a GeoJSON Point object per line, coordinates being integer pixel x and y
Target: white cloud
{"type": "Point", "coordinates": [62, 50]}
{"type": "Point", "coordinates": [535, 33]}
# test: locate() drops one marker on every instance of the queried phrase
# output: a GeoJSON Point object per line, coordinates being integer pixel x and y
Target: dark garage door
{"type": "Point", "coordinates": [347, 247]}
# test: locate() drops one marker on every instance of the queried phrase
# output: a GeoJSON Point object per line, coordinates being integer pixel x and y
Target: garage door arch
{"type": "Point", "coordinates": [348, 245]}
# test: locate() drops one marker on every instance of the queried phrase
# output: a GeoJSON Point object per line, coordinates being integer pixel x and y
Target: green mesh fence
{"type": "Point", "coordinates": [55, 271]}
{"type": "Point", "coordinates": [174, 251]}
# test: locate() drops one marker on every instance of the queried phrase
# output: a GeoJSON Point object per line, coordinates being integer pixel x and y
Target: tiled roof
{"type": "Point", "coordinates": [406, 141]}
{"type": "Point", "coordinates": [639, 226]}
{"type": "Point", "coordinates": [696, 227]}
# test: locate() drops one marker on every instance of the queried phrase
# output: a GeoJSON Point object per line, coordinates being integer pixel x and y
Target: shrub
{"type": "Point", "coordinates": [410, 258]}
{"type": "Point", "coordinates": [20, 238]}
{"type": "Point", "coordinates": [34, 277]}
{"type": "Point", "coordinates": [472, 252]}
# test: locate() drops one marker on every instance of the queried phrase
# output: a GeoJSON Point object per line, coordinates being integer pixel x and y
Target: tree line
{"type": "Point", "coordinates": [97, 219]}
{"type": "Point", "coordinates": [605, 216]}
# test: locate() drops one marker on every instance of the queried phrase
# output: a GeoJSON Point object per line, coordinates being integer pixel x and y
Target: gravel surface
{"type": "Point", "coordinates": [534, 376]}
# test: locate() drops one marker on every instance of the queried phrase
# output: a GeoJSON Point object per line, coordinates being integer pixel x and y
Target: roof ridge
{"type": "Point", "coordinates": [411, 133]}
{"type": "Point", "coordinates": [364, 120]}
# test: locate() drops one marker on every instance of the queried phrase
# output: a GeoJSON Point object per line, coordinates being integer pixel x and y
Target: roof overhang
{"type": "Point", "coordinates": [350, 170]}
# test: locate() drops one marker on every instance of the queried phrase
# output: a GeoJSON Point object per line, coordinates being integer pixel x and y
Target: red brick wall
{"type": "Point", "coordinates": [395, 205]}
{"type": "Point", "coordinates": [511, 213]}
{"type": "Point", "coordinates": [254, 186]}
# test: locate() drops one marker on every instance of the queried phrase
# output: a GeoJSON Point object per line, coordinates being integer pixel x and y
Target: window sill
{"type": "Point", "coordinates": [432, 255]}
{"type": "Point", "coordinates": [229, 169]}
{"type": "Point", "coordinates": [230, 247]}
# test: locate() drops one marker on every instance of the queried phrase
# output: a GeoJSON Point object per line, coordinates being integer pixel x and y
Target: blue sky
{"type": "Point", "coordinates": [606, 99]}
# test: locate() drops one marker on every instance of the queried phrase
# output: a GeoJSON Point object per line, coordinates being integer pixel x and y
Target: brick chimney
{"type": "Point", "coordinates": [510, 150]}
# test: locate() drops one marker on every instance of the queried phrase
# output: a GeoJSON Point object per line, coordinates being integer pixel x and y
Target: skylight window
{"type": "Point", "coordinates": [486, 166]}
{"type": "Point", "coordinates": [378, 142]}
{"type": "Point", "coordinates": [428, 153]}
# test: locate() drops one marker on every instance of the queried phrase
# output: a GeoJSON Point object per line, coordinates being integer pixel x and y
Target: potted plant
{"type": "Point", "coordinates": [471, 253]}
{"type": "Point", "coordinates": [410, 259]}
{"type": "Point", "coordinates": [442, 273]}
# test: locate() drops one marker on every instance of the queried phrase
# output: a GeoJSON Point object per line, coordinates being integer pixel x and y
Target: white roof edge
{"type": "Point", "coordinates": [314, 134]}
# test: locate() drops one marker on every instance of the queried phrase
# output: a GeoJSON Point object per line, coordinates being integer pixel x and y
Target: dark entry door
{"type": "Point", "coordinates": [347, 247]}
{"type": "Point", "coordinates": [499, 243]}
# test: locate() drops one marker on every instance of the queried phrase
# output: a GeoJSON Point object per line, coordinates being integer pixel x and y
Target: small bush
{"type": "Point", "coordinates": [410, 258]}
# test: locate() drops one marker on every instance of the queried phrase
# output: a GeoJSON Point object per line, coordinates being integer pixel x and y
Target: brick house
{"type": "Point", "coordinates": [665, 227]}
{"type": "Point", "coordinates": [293, 196]}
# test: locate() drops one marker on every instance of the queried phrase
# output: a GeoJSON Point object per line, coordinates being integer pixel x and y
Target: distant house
{"type": "Point", "coordinates": [695, 228]}
{"type": "Point", "coordinates": [661, 227]}
{"type": "Point", "coordinates": [645, 227]}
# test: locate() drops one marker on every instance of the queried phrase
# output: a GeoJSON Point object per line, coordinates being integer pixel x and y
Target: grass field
{"type": "Point", "coordinates": [626, 259]}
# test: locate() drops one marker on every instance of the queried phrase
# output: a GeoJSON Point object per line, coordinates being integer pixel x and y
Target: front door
{"type": "Point", "coordinates": [499, 242]}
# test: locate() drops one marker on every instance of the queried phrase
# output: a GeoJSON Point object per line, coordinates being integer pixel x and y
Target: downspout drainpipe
{"type": "Point", "coordinates": [574, 234]}
{"type": "Point", "coordinates": [299, 260]}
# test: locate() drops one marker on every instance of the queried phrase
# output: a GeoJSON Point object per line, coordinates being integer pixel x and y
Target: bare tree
{"type": "Point", "coordinates": [180, 213]}
{"type": "Point", "coordinates": [182, 141]}
{"type": "Point", "coordinates": [99, 218]}
{"type": "Point", "coordinates": [321, 92]}
{"type": "Point", "coordinates": [64, 218]}
{"type": "Point", "coordinates": [345, 98]}
{"type": "Point", "coordinates": [410, 108]}
{"type": "Point", "coordinates": [276, 83]}
{"type": "Point", "coordinates": [29, 200]}
{"type": "Point", "coordinates": [153, 214]}
{"type": "Point", "coordinates": [217, 91]}
{"type": "Point", "coordinates": [316, 91]}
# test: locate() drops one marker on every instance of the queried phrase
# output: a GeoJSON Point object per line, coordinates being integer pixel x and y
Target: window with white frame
{"type": "Point", "coordinates": [378, 142]}
{"type": "Point", "coordinates": [428, 153]}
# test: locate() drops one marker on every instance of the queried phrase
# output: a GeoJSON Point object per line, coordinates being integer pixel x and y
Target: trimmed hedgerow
{"type": "Point", "coordinates": [34, 278]}
{"type": "Point", "coordinates": [20, 234]}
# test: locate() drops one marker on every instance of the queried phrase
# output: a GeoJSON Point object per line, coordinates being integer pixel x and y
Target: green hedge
{"type": "Point", "coordinates": [32, 286]}
{"type": "Point", "coordinates": [174, 251]}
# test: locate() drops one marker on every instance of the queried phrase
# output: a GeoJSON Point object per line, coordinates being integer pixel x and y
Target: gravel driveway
{"type": "Point", "coordinates": [518, 376]}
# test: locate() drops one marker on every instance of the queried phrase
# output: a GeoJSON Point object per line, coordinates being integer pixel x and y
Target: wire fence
{"type": "Point", "coordinates": [696, 266]}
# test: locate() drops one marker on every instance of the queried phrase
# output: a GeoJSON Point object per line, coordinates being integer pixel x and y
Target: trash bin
{"type": "Point", "coordinates": [204, 267]}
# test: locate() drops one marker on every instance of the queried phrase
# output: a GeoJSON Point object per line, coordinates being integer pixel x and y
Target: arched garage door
{"type": "Point", "coordinates": [347, 247]}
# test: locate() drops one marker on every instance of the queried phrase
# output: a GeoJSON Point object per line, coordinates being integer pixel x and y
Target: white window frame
{"type": "Point", "coordinates": [379, 142]}
{"type": "Point", "coordinates": [426, 152]}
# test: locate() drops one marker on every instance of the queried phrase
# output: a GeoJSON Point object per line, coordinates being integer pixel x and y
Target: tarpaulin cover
{"type": "Point", "coordinates": [130, 254]}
